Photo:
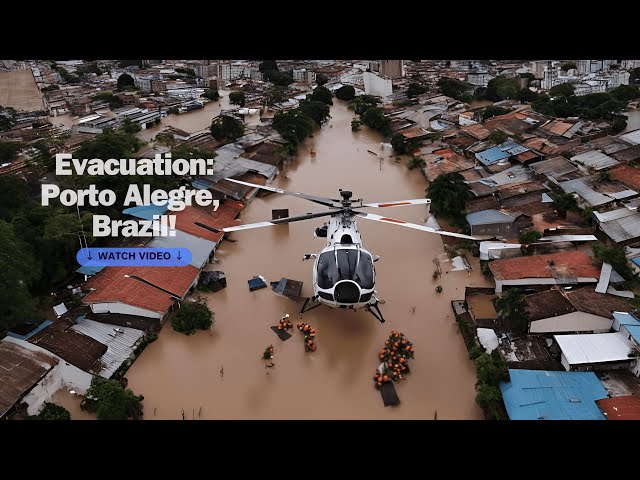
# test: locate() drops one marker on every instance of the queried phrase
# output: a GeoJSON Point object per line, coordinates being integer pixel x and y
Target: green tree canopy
{"type": "Point", "coordinates": [227, 128]}
{"type": "Point", "coordinates": [526, 95]}
{"type": "Point", "coordinates": [321, 79]}
{"type": "Point", "coordinates": [625, 93]}
{"type": "Point", "coordinates": [619, 123]}
{"type": "Point", "coordinates": [502, 88]}
{"type": "Point", "coordinates": [616, 256]}
{"type": "Point", "coordinates": [125, 80]}
{"type": "Point", "coordinates": [51, 411]}
{"type": "Point", "coordinates": [113, 100]}
{"type": "Point", "coordinates": [192, 316]}
{"type": "Point", "coordinates": [490, 369]}
{"type": "Point", "coordinates": [530, 235]}
{"type": "Point", "coordinates": [293, 125]}
{"type": "Point", "coordinates": [322, 94]}
{"type": "Point", "coordinates": [274, 94]}
{"type": "Point", "coordinates": [318, 111]}
{"type": "Point", "coordinates": [278, 78]}
{"type": "Point", "coordinates": [363, 103]}
{"type": "Point", "coordinates": [452, 87]}
{"type": "Point", "coordinates": [498, 137]}
{"type": "Point", "coordinates": [568, 66]}
{"type": "Point", "coordinates": [416, 89]}
{"type": "Point", "coordinates": [9, 151]}
{"type": "Point", "coordinates": [129, 126]}
{"type": "Point", "coordinates": [449, 194]}
{"type": "Point", "coordinates": [7, 118]}
{"type": "Point", "coordinates": [512, 309]}
{"type": "Point", "coordinates": [237, 98]}
{"type": "Point", "coordinates": [346, 92]}
{"type": "Point", "coordinates": [634, 75]}
{"type": "Point", "coordinates": [402, 145]}
{"type": "Point", "coordinates": [211, 94]}
{"type": "Point", "coordinates": [565, 89]}
{"type": "Point", "coordinates": [493, 111]}
{"type": "Point", "coordinates": [268, 65]}
{"type": "Point", "coordinates": [564, 202]}
{"type": "Point", "coordinates": [109, 400]}
{"type": "Point", "coordinates": [375, 118]}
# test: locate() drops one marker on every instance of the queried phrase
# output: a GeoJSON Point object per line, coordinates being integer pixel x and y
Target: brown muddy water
{"type": "Point", "coordinates": [220, 374]}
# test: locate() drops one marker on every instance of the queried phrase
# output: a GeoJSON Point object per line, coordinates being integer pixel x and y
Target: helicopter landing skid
{"type": "Point", "coordinates": [375, 311]}
{"type": "Point", "coordinates": [309, 304]}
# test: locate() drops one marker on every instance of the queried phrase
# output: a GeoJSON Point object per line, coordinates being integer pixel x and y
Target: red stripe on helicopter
{"type": "Point", "coordinates": [385, 219]}
{"type": "Point", "coordinates": [393, 204]}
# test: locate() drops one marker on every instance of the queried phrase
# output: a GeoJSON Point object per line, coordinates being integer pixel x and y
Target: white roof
{"type": "Point", "coordinates": [595, 159]}
{"type": "Point", "coordinates": [60, 309]}
{"type": "Point", "coordinates": [631, 137]}
{"type": "Point", "coordinates": [614, 214]}
{"type": "Point", "coordinates": [488, 339]}
{"type": "Point", "coordinates": [594, 348]}
{"type": "Point", "coordinates": [120, 341]}
{"type": "Point", "coordinates": [490, 250]}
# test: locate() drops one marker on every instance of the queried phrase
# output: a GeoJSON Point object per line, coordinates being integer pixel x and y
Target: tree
{"type": "Point", "coordinates": [363, 103]}
{"type": "Point", "coordinates": [403, 145]}
{"type": "Point", "coordinates": [322, 94]}
{"type": "Point", "coordinates": [318, 111]}
{"type": "Point", "coordinates": [619, 123]}
{"type": "Point", "coordinates": [452, 87]}
{"type": "Point", "coordinates": [565, 89]}
{"type": "Point", "coordinates": [321, 79]}
{"type": "Point", "coordinates": [528, 236]}
{"type": "Point", "coordinates": [268, 65]}
{"type": "Point", "coordinates": [109, 400]}
{"type": "Point", "coordinates": [211, 94]}
{"type": "Point", "coordinates": [564, 202]}
{"type": "Point", "coordinates": [501, 88]}
{"type": "Point", "coordinates": [449, 194]}
{"type": "Point", "coordinates": [89, 68]}
{"type": "Point", "coordinates": [192, 316]}
{"type": "Point", "coordinates": [113, 100]}
{"type": "Point", "coordinates": [124, 81]}
{"type": "Point", "coordinates": [346, 92]}
{"type": "Point", "coordinates": [51, 411]}
{"type": "Point", "coordinates": [634, 76]}
{"type": "Point", "coordinates": [615, 255]}
{"type": "Point", "coordinates": [568, 66]}
{"type": "Point", "coordinates": [415, 161]}
{"type": "Point", "coordinates": [512, 310]}
{"type": "Point", "coordinates": [493, 111]}
{"type": "Point", "coordinates": [625, 93]}
{"type": "Point", "coordinates": [489, 397]}
{"type": "Point", "coordinates": [274, 94]}
{"type": "Point", "coordinates": [237, 98]}
{"type": "Point", "coordinates": [374, 118]}
{"type": "Point", "coordinates": [416, 89]}
{"type": "Point", "coordinates": [129, 126]}
{"type": "Point", "coordinates": [67, 76]}
{"type": "Point", "coordinates": [526, 95]}
{"type": "Point", "coordinates": [278, 78]}
{"type": "Point", "coordinates": [7, 118]}
{"type": "Point", "coordinates": [9, 150]}
{"type": "Point", "coordinates": [491, 369]}
{"type": "Point", "coordinates": [16, 273]}
{"type": "Point", "coordinates": [227, 128]}
{"type": "Point", "coordinates": [189, 72]}
{"type": "Point", "coordinates": [498, 137]}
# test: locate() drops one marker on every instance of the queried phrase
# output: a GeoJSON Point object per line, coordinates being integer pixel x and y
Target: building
{"type": "Point", "coordinates": [596, 351]}
{"type": "Point", "coordinates": [548, 395]}
{"type": "Point", "coordinates": [480, 79]}
{"type": "Point", "coordinates": [375, 85]}
{"type": "Point", "coordinates": [392, 69]}
{"type": "Point", "coordinates": [621, 225]}
{"type": "Point", "coordinates": [620, 408]}
{"type": "Point", "coordinates": [494, 223]}
{"type": "Point", "coordinates": [564, 268]}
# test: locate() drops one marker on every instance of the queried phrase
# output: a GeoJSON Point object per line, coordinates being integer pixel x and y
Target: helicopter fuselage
{"type": "Point", "coordinates": [343, 274]}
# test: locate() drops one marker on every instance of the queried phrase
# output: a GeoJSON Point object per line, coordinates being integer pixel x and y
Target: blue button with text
{"type": "Point", "coordinates": [134, 257]}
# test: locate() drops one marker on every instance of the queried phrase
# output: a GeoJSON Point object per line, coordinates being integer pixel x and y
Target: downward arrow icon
{"type": "Point", "coordinates": [89, 255]}
{"type": "Point", "coordinates": [179, 254]}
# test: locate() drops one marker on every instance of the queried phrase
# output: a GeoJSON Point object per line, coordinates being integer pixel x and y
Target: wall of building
{"type": "Point", "coordinates": [525, 282]}
{"type": "Point", "coordinates": [124, 309]}
{"type": "Point", "coordinates": [497, 229]}
{"type": "Point", "coordinates": [572, 322]}
{"type": "Point", "coordinates": [375, 85]}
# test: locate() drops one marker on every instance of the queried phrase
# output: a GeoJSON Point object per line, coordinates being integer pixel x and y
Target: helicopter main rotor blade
{"type": "Point", "coordinates": [327, 202]}
{"type": "Point", "coordinates": [271, 223]}
{"type": "Point", "coordinates": [402, 223]}
{"type": "Point", "coordinates": [398, 203]}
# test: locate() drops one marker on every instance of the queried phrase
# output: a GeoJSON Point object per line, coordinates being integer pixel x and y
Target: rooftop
{"type": "Point", "coordinates": [187, 219]}
{"type": "Point", "coordinates": [486, 217]}
{"type": "Point", "coordinates": [547, 304]}
{"type": "Point", "coordinates": [627, 155]}
{"type": "Point", "coordinates": [548, 395]}
{"type": "Point", "coordinates": [627, 175]}
{"type": "Point", "coordinates": [554, 167]}
{"type": "Point", "coordinates": [595, 159]}
{"type": "Point", "coordinates": [78, 349]}
{"type": "Point", "coordinates": [20, 370]}
{"type": "Point", "coordinates": [594, 347]}
{"type": "Point", "coordinates": [632, 137]}
{"type": "Point", "coordinates": [620, 408]}
{"type": "Point", "coordinates": [587, 300]}
{"type": "Point", "coordinates": [575, 263]}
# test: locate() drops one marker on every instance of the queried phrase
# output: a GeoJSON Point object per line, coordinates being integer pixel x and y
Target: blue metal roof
{"type": "Point", "coordinates": [512, 148]}
{"type": "Point", "coordinates": [491, 156]}
{"type": "Point", "coordinates": [624, 318]}
{"type": "Point", "coordinates": [42, 326]}
{"type": "Point", "coordinates": [201, 183]}
{"type": "Point", "coordinates": [484, 217]}
{"type": "Point", "coordinates": [85, 270]}
{"type": "Point", "coordinates": [146, 212]}
{"type": "Point", "coordinates": [636, 261]}
{"type": "Point", "coordinates": [548, 395]}
{"type": "Point", "coordinates": [634, 331]}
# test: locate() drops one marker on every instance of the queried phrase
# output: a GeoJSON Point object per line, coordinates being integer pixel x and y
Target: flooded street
{"type": "Point", "coordinates": [180, 372]}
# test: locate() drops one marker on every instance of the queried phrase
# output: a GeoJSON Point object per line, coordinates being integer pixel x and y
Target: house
{"type": "Point", "coordinates": [556, 169]}
{"type": "Point", "coordinates": [32, 375]}
{"type": "Point", "coordinates": [596, 351]}
{"type": "Point", "coordinates": [594, 160]}
{"type": "Point", "coordinates": [621, 225]}
{"type": "Point", "coordinates": [620, 408]}
{"type": "Point", "coordinates": [143, 291]}
{"type": "Point", "coordinates": [629, 325]}
{"type": "Point", "coordinates": [549, 395]}
{"type": "Point", "coordinates": [554, 311]}
{"type": "Point", "coordinates": [627, 175]}
{"type": "Point", "coordinates": [494, 223]}
{"type": "Point", "coordinates": [587, 196]}
{"type": "Point", "coordinates": [564, 268]}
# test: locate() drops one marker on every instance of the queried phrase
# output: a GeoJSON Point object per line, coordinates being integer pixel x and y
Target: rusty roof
{"type": "Point", "coordinates": [489, 202]}
{"type": "Point", "coordinates": [20, 370]}
{"type": "Point", "coordinates": [587, 300]}
{"type": "Point", "coordinates": [477, 131]}
{"type": "Point", "coordinates": [627, 155]}
{"type": "Point", "coordinates": [547, 304]}
{"type": "Point", "coordinates": [526, 156]}
{"type": "Point", "coordinates": [236, 190]}
{"type": "Point", "coordinates": [74, 347]}
{"type": "Point", "coordinates": [620, 408]}
{"type": "Point", "coordinates": [574, 263]}
{"type": "Point", "coordinates": [627, 175]}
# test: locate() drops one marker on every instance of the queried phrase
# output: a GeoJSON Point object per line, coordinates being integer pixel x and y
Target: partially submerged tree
{"type": "Point", "coordinates": [449, 194]}
{"type": "Point", "coordinates": [192, 316]}
{"type": "Point", "coordinates": [226, 128]}
{"type": "Point", "coordinates": [109, 400]}
{"type": "Point", "coordinates": [512, 309]}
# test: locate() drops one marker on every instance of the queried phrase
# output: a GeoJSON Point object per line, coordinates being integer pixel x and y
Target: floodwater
{"type": "Point", "coordinates": [633, 120]}
{"type": "Point", "coordinates": [220, 374]}
{"type": "Point", "coordinates": [71, 402]}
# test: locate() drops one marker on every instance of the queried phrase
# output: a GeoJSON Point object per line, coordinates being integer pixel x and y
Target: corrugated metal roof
{"type": "Point", "coordinates": [587, 193]}
{"type": "Point", "coordinates": [547, 395]}
{"type": "Point", "coordinates": [84, 270]}
{"type": "Point", "coordinates": [486, 217]}
{"type": "Point", "coordinates": [199, 247]}
{"type": "Point", "coordinates": [595, 159]}
{"type": "Point", "coordinates": [146, 212]}
{"type": "Point", "coordinates": [120, 342]}
{"type": "Point", "coordinates": [491, 156]}
{"type": "Point", "coordinates": [624, 318]}
{"type": "Point", "coordinates": [594, 348]}
{"type": "Point", "coordinates": [622, 229]}
{"type": "Point", "coordinates": [634, 331]}
{"type": "Point", "coordinates": [228, 164]}
{"type": "Point", "coordinates": [605, 275]}
{"type": "Point", "coordinates": [512, 148]}
{"type": "Point", "coordinates": [620, 408]}
{"type": "Point", "coordinates": [613, 214]}
{"type": "Point", "coordinates": [631, 137]}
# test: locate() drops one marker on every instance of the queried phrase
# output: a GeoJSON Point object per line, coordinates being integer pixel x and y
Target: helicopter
{"type": "Point", "coordinates": [344, 276]}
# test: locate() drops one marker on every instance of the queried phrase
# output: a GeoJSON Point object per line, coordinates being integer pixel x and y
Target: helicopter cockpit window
{"type": "Point", "coordinates": [345, 264]}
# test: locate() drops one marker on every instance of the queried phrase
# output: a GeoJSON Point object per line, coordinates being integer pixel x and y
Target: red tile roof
{"type": "Point", "coordinates": [224, 217]}
{"type": "Point", "coordinates": [577, 263]}
{"type": "Point", "coordinates": [620, 408]}
{"type": "Point", "coordinates": [627, 175]}
{"type": "Point", "coordinates": [111, 285]}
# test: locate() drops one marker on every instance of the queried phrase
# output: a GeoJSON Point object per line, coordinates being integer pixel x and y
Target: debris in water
{"type": "Point", "coordinates": [256, 283]}
{"type": "Point", "coordinates": [268, 353]}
